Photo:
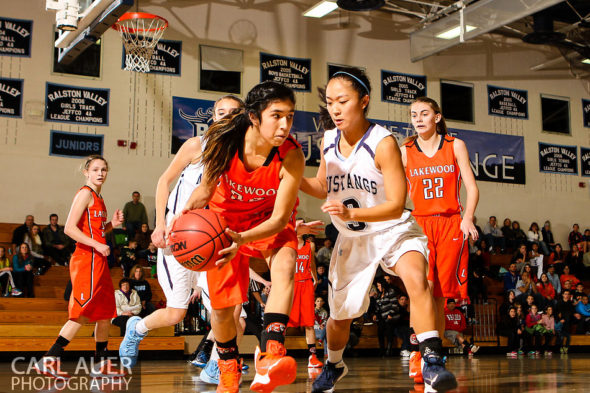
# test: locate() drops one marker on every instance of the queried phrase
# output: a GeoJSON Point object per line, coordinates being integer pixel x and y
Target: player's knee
{"type": "Point", "coordinates": [174, 316]}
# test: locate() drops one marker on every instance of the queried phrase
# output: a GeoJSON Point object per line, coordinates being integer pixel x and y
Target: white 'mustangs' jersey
{"type": "Point", "coordinates": [189, 179]}
{"type": "Point", "coordinates": [356, 181]}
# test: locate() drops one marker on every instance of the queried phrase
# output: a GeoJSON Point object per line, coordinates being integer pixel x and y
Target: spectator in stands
{"type": "Point", "coordinates": [325, 253]}
{"type": "Point", "coordinates": [520, 257]}
{"type": "Point", "coordinates": [548, 322]}
{"type": "Point", "coordinates": [18, 235]}
{"type": "Point", "coordinates": [143, 289]}
{"type": "Point", "coordinates": [402, 329]}
{"type": "Point", "coordinates": [548, 236]}
{"type": "Point", "coordinates": [33, 240]}
{"type": "Point", "coordinates": [554, 279]}
{"type": "Point", "coordinates": [567, 276]}
{"type": "Point", "coordinates": [128, 257]}
{"type": "Point", "coordinates": [143, 239]}
{"type": "Point", "coordinates": [493, 235]}
{"type": "Point", "coordinates": [536, 260]}
{"type": "Point", "coordinates": [586, 241]}
{"type": "Point", "coordinates": [583, 315]}
{"type": "Point", "coordinates": [321, 288]}
{"type": "Point", "coordinates": [511, 328]}
{"type": "Point", "coordinates": [525, 287]}
{"type": "Point", "coordinates": [575, 260]}
{"type": "Point", "coordinates": [519, 235]}
{"type": "Point", "coordinates": [476, 286]}
{"type": "Point", "coordinates": [128, 304]}
{"type": "Point", "coordinates": [533, 331]}
{"type": "Point", "coordinates": [22, 270]}
{"type": "Point", "coordinates": [321, 318]}
{"type": "Point", "coordinates": [151, 257]}
{"type": "Point", "coordinates": [56, 243]}
{"type": "Point", "coordinates": [575, 237]}
{"type": "Point", "coordinates": [455, 326]}
{"type": "Point", "coordinates": [509, 301]}
{"type": "Point", "coordinates": [480, 258]}
{"type": "Point", "coordinates": [135, 215]}
{"type": "Point", "coordinates": [557, 257]}
{"type": "Point", "coordinates": [386, 315]}
{"type": "Point", "coordinates": [508, 233]}
{"type": "Point", "coordinates": [528, 302]}
{"type": "Point", "coordinates": [479, 231]}
{"type": "Point", "coordinates": [6, 276]}
{"type": "Point", "coordinates": [534, 236]}
{"type": "Point", "coordinates": [546, 289]}
{"type": "Point", "coordinates": [511, 278]}
{"type": "Point", "coordinates": [527, 268]}
{"type": "Point", "coordinates": [565, 315]}
{"type": "Point", "coordinates": [579, 292]}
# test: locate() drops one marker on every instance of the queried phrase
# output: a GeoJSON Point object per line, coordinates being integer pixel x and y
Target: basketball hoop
{"type": "Point", "coordinates": [140, 32]}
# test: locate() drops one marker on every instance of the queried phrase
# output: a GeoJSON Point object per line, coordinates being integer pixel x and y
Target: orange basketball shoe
{"type": "Point", "coordinates": [273, 368]}
{"type": "Point", "coordinates": [230, 376]}
{"type": "Point", "coordinates": [314, 362]}
{"type": "Point", "coordinates": [416, 367]}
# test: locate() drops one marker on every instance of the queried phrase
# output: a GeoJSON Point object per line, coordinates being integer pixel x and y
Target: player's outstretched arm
{"type": "Point", "coordinates": [316, 186]}
{"type": "Point", "coordinates": [82, 201]}
{"type": "Point", "coordinates": [462, 156]}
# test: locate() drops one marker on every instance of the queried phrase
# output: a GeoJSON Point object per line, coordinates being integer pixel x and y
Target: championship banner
{"type": "Point", "coordinates": [15, 37]}
{"type": "Point", "coordinates": [401, 88]}
{"type": "Point", "coordinates": [289, 71]}
{"type": "Point", "coordinates": [558, 159]}
{"type": "Point", "coordinates": [586, 112]}
{"type": "Point", "coordinates": [585, 161]}
{"type": "Point", "coordinates": [190, 117]}
{"type": "Point", "coordinates": [166, 58]}
{"type": "Point", "coordinates": [506, 102]}
{"type": "Point", "coordinates": [73, 104]}
{"type": "Point", "coordinates": [11, 97]}
{"type": "Point", "coordinates": [69, 144]}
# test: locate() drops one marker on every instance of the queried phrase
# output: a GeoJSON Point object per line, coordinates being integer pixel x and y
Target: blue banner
{"type": "Point", "coordinates": [190, 117]}
{"type": "Point", "coordinates": [585, 161]}
{"type": "Point", "coordinates": [166, 58]}
{"type": "Point", "coordinates": [402, 88]}
{"type": "Point", "coordinates": [74, 104]}
{"type": "Point", "coordinates": [506, 102]}
{"type": "Point", "coordinates": [15, 37]}
{"type": "Point", "coordinates": [586, 112]}
{"type": "Point", "coordinates": [11, 97]}
{"type": "Point", "coordinates": [558, 159]}
{"type": "Point", "coordinates": [289, 71]}
{"type": "Point", "coordinates": [70, 144]}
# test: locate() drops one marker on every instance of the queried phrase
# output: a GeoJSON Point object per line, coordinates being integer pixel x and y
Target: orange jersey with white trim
{"type": "Point", "coordinates": [303, 266]}
{"type": "Point", "coordinates": [434, 183]}
{"type": "Point", "coordinates": [246, 198]}
{"type": "Point", "coordinates": [93, 222]}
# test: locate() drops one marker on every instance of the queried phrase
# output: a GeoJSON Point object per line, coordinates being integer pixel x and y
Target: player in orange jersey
{"type": "Point", "coordinates": [435, 163]}
{"type": "Point", "coordinates": [93, 295]}
{"type": "Point", "coordinates": [252, 172]}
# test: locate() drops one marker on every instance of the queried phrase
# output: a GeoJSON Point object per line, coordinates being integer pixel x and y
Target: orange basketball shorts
{"type": "Point", "coordinates": [302, 312]}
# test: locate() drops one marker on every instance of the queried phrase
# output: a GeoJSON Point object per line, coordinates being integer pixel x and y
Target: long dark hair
{"type": "Point", "coordinates": [441, 126]}
{"type": "Point", "coordinates": [226, 136]}
{"type": "Point", "coordinates": [359, 82]}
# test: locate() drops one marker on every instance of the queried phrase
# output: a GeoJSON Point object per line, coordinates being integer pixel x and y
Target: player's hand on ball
{"type": "Point", "coordinates": [117, 218]}
{"type": "Point", "coordinates": [309, 228]}
{"type": "Point", "coordinates": [103, 249]}
{"type": "Point", "coordinates": [336, 208]}
{"type": "Point", "coordinates": [158, 237]}
{"type": "Point", "coordinates": [230, 252]}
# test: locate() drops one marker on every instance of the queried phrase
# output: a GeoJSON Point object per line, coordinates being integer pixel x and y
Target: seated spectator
{"type": "Point", "coordinates": [527, 268]}
{"type": "Point", "coordinates": [579, 292]}
{"type": "Point", "coordinates": [566, 276]}
{"type": "Point", "coordinates": [18, 235]}
{"type": "Point", "coordinates": [575, 237]}
{"type": "Point", "coordinates": [135, 215]}
{"type": "Point", "coordinates": [455, 326]}
{"type": "Point", "coordinates": [321, 288]}
{"type": "Point", "coordinates": [151, 257]}
{"type": "Point", "coordinates": [548, 322]}
{"type": "Point", "coordinates": [575, 260]}
{"type": "Point", "coordinates": [6, 276]}
{"type": "Point", "coordinates": [56, 243]}
{"type": "Point", "coordinates": [567, 286]}
{"type": "Point", "coordinates": [325, 253]}
{"type": "Point", "coordinates": [554, 279]}
{"type": "Point", "coordinates": [548, 236]}
{"type": "Point", "coordinates": [386, 315]}
{"type": "Point", "coordinates": [33, 240]}
{"type": "Point", "coordinates": [546, 289]}
{"type": "Point", "coordinates": [402, 329]}
{"type": "Point", "coordinates": [534, 236]}
{"type": "Point", "coordinates": [143, 239]}
{"type": "Point", "coordinates": [536, 260]}
{"type": "Point", "coordinates": [586, 241]}
{"type": "Point", "coordinates": [128, 257]}
{"type": "Point", "coordinates": [143, 289]}
{"type": "Point", "coordinates": [583, 310]}
{"type": "Point", "coordinates": [508, 233]}
{"type": "Point", "coordinates": [525, 287]}
{"type": "Point", "coordinates": [564, 312]}
{"type": "Point", "coordinates": [519, 235]}
{"type": "Point", "coordinates": [493, 235]}
{"type": "Point", "coordinates": [511, 278]}
{"type": "Point", "coordinates": [534, 331]}
{"type": "Point", "coordinates": [22, 270]}
{"type": "Point", "coordinates": [321, 318]}
{"type": "Point", "coordinates": [128, 304]}
{"type": "Point", "coordinates": [557, 258]}
{"type": "Point", "coordinates": [511, 328]}
{"type": "Point", "coordinates": [529, 300]}
{"type": "Point", "coordinates": [509, 301]}
{"type": "Point", "coordinates": [520, 257]}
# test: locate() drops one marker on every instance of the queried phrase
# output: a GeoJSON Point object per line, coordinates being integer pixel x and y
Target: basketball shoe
{"type": "Point", "coordinates": [436, 376]}
{"type": "Point", "coordinates": [129, 348]}
{"type": "Point", "coordinates": [416, 367]}
{"type": "Point", "coordinates": [331, 373]}
{"type": "Point", "coordinates": [230, 376]}
{"type": "Point", "coordinates": [273, 368]}
{"type": "Point", "coordinates": [210, 373]}
{"type": "Point", "coordinates": [314, 362]}
{"type": "Point", "coordinates": [201, 359]}
{"type": "Point", "coordinates": [51, 367]}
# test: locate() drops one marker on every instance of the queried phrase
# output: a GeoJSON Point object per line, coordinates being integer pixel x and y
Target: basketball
{"type": "Point", "coordinates": [197, 237]}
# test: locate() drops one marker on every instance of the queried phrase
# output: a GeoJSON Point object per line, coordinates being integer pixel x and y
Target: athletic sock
{"type": "Point", "coordinates": [274, 325]}
{"type": "Point", "coordinates": [431, 345]}
{"type": "Point", "coordinates": [228, 350]}
{"type": "Point", "coordinates": [101, 351]}
{"type": "Point", "coordinates": [311, 348]}
{"type": "Point", "coordinates": [140, 328]}
{"type": "Point", "coordinates": [57, 349]}
{"type": "Point", "coordinates": [207, 346]}
{"type": "Point", "coordinates": [335, 356]}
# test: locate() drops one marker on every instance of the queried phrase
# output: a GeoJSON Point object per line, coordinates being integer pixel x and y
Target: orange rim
{"type": "Point", "coordinates": [138, 15]}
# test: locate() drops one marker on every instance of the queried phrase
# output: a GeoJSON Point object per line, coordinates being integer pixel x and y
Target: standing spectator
{"type": "Point", "coordinates": [519, 235]}
{"type": "Point", "coordinates": [143, 239]}
{"type": "Point", "coordinates": [583, 309]}
{"type": "Point", "coordinates": [476, 273]}
{"type": "Point", "coordinates": [33, 240]}
{"type": "Point", "coordinates": [402, 329]}
{"type": "Point", "coordinates": [128, 257]}
{"type": "Point", "coordinates": [554, 279]}
{"type": "Point", "coordinates": [546, 289]}
{"type": "Point", "coordinates": [325, 253]}
{"type": "Point", "coordinates": [57, 245]}
{"type": "Point", "coordinates": [143, 289]}
{"type": "Point", "coordinates": [557, 258]}
{"type": "Point", "coordinates": [455, 326]}
{"type": "Point", "coordinates": [321, 288]}
{"type": "Point", "coordinates": [6, 275]}
{"type": "Point", "coordinates": [128, 304]}
{"type": "Point", "coordinates": [575, 237]}
{"type": "Point", "coordinates": [565, 315]}
{"type": "Point", "coordinates": [520, 257]}
{"type": "Point", "coordinates": [321, 317]}
{"type": "Point", "coordinates": [386, 316]}
{"type": "Point", "coordinates": [575, 260]}
{"type": "Point", "coordinates": [533, 331]}
{"type": "Point", "coordinates": [510, 327]}
{"type": "Point", "coordinates": [536, 260]}
{"type": "Point", "coordinates": [548, 236]}
{"type": "Point", "coordinates": [18, 235]}
{"type": "Point", "coordinates": [586, 241]}
{"type": "Point", "coordinates": [493, 234]}
{"type": "Point", "coordinates": [22, 269]}
{"type": "Point", "coordinates": [509, 301]}
{"type": "Point", "coordinates": [548, 322]}
{"type": "Point", "coordinates": [511, 278]}
{"type": "Point", "coordinates": [508, 233]}
{"type": "Point", "coordinates": [566, 276]}
{"type": "Point", "coordinates": [135, 215]}
{"type": "Point", "coordinates": [535, 236]}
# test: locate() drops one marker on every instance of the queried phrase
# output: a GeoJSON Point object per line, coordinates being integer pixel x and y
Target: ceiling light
{"type": "Point", "coordinates": [586, 61]}
{"type": "Point", "coordinates": [454, 32]}
{"type": "Point", "coordinates": [321, 9]}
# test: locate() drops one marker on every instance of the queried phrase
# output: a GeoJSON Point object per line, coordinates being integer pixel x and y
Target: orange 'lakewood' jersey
{"type": "Point", "coordinates": [303, 266]}
{"type": "Point", "coordinates": [433, 183]}
{"type": "Point", "coordinates": [247, 198]}
{"type": "Point", "coordinates": [93, 222]}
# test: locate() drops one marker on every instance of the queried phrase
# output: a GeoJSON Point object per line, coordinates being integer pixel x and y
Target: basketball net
{"type": "Point", "coordinates": [140, 32]}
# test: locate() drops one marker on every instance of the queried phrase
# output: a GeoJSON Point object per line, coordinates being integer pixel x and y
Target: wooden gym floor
{"type": "Point", "coordinates": [483, 374]}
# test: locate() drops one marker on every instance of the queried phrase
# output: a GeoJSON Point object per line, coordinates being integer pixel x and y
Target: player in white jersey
{"type": "Point", "coordinates": [362, 176]}
{"type": "Point", "coordinates": [176, 281]}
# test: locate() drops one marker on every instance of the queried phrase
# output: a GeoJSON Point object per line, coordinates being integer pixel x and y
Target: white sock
{"type": "Point", "coordinates": [214, 353]}
{"type": "Point", "coordinates": [426, 335]}
{"type": "Point", "coordinates": [335, 356]}
{"type": "Point", "coordinates": [140, 328]}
